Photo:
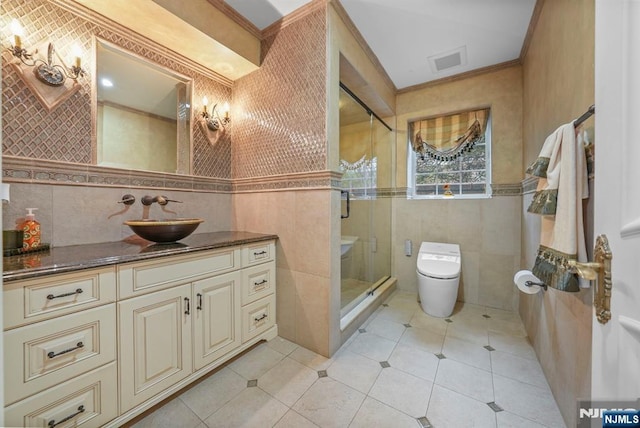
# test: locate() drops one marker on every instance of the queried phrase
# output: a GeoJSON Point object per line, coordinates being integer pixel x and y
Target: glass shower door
{"type": "Point", "coordinates": [365, 147]}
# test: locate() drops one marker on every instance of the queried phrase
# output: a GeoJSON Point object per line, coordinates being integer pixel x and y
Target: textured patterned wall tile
{"type": "Point", "coordinates": [65, 133]}
{"type": "Point", "coordinates": [280, 109]}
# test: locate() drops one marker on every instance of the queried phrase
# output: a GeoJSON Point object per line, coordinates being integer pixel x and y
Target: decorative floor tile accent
{"type": "Point", "coordinates": [322, 373]}
{"type": "Point", "coordinates": [440, 356]}
{"type": "Point", "coordinates": [385, 364]}
{"type": "Point", "coordinates": [489, 348]}
{"type": "Point", "coordinates": [495, 407]}
{"type": "Point", "coordinates": [448, 320]}
{"type": "Point", "coordinates": [424, 422]}
{"type": "Point", "coordinates": [486, 316]}
{"type": "Point", "coordinates": [252, 383]}
{"type": "Point", "coordinates": [362, 330]}
{"type": "Point", "coordinates": [407, 325]}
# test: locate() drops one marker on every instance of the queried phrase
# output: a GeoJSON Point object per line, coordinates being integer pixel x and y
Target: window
{"type": "Point", "coordinates": [449, 156]}
{"type": "Point", "coordinates": [360, 178]}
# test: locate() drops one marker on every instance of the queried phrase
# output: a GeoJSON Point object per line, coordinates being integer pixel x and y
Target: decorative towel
{"type": "Point", "coordinates": [561, 167]}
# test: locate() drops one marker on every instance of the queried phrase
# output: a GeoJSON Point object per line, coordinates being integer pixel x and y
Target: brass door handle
{"type": "Point", "coordinates": [599, 270]}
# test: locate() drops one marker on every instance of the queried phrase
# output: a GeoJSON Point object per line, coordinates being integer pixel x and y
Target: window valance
{"type": "Point", "coordinates": [445, 138]}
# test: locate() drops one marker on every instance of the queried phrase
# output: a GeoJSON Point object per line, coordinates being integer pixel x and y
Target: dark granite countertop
{"type": "Point", "coordinates": [78, 257]}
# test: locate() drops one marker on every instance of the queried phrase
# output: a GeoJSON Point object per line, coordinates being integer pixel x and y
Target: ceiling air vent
{"type": "Point", "coordinates": [447, 60]}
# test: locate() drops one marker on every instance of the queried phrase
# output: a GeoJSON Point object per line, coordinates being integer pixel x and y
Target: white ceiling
{"type": "Point", "coordinates": [404, 34]}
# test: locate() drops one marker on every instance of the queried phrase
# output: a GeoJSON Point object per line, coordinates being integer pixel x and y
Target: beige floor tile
{"type": "Point", "coordinates": [372, 346]}
{"type": "Point", "coordinates": [509, 420]}
{"type": "Point", "coordinates": [519, 346]}
{"type": "Point", "coordinates": [214, 392]}
{"type": "Point", "coordinates": [288, 380]}
{"type": "Point", "coordinates": [251, 408]}
{"type": "Point", "coordinates": [329, 403]}
{"type": "Point", "coordinates": [513, 327]}
{"type": "Point", "coordinates": [173, 414]}
{"type": "Point", "coordinates": [464, 379]}
{"type": "Point", "coordinates": [400, 315]}
{"type": "Point", "coordinates": [466, 352]}
{"type": "Point", "coordinates": [468, 310]}
{"type": "Point", "coordinates": [423, 340]}
{"type": "Point", "coordinates": [528, 401]}
{"type": "Point", "coordinates": [500, 314]}
{"type": "Point", "coordinates": [310, 359]}
{"type": "Point", "coordinates": [449, 409]}
{"type": "Point", "coordinates": [518, 368]}
{"type": "Point", "coordinates": [402, 391]}
{"type": "Point", "coordinates": [282, 345]}
{"type": "Point", "coordinates": [414, 361]}
{"type": "Point", "coordinates": [257, 362]}
{"type": "Point", "coordinates": [386, 328]}
{"type": "Point", "coordinates": [292, 419]}
{"type": "Point", "coordinates": [354, 370]}
{"type": "Point", "coordinates": [427, 322]}
{"type": "Point", "coordinates": [475, 330]}
{"type": "Point", "coordinates": [373, 413]}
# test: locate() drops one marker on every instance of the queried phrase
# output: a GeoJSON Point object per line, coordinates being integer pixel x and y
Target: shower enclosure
{"type": "Point", "coordinates": [366, 164]}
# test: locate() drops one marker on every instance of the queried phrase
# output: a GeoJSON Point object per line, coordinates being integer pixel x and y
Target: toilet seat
{"type": "Point", "coordinates": [440, 261]}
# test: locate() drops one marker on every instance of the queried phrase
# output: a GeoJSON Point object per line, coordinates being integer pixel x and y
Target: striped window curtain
{"type": "Point", "coordinates": [445, 138]}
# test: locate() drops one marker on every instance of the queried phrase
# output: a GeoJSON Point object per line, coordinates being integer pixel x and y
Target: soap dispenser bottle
{"type": "Point", "coordinates": [31, 229]}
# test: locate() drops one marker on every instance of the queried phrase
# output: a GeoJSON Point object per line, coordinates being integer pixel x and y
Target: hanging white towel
{"type": "Point", "coordinates": [561, 167]}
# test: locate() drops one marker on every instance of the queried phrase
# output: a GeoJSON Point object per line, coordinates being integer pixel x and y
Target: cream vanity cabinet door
{"type": "Point", "coordinates": [155, 343]}
{"type": "Point", "coordinates": [216, 317]}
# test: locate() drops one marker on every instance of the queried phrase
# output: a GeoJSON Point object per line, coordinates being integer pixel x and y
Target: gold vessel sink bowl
{"type": "Point", "coordinates": [164, 231]}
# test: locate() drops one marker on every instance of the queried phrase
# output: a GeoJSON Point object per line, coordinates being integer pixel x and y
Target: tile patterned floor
{"type": "Point", "coordinates": [403, 368]}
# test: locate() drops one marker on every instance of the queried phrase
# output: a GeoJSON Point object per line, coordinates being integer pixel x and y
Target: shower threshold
{"type": "Point", "coordinates": [370, 301]}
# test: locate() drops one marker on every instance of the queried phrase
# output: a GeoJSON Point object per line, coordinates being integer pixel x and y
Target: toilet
{"type": "Point", "coordinates": [438, 270]}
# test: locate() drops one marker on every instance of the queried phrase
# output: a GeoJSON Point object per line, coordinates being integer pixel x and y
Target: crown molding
{"type": "Point", "coordinates": [535, 16]}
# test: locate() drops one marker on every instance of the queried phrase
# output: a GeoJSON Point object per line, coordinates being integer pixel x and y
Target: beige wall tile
{"type": "Point", "coordinates": [312, 312]}
{"type": "Point", "coordinates": [496, 287]}
{"type": "Point", "coordinates": [312, 223]}
{"type": "Point", "coordinates": [286, 303]}
{"type": "Point", "coordinates": [64, 210]}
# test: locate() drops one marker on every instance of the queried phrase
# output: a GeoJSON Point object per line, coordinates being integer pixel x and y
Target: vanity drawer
{"type": "Point", "coordinates": [54, 295]}
{"type": "Point", "coordinates": [258, 282]}
{"type": "Point", "coordinates": [145, 277]}
{"type": "Point", "coordinates": [41, 355]}
{"type": "Point", "coordinates": [89, 400]}
{"type": "Point", "coordinates": [258, 317]}
{"type": "Point", "coordinates": [258, 253]}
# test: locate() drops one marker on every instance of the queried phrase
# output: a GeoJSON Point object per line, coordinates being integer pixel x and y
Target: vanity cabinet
{"type": "Point", "coordinates": [99, 346]}
{"type": "Point", "coordinates": [60, 349]}
{"type": "Point", "coordinates": [180, 317]}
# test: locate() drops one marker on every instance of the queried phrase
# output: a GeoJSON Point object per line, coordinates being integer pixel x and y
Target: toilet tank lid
{"type": "Point", "coordinates": [440, 248]}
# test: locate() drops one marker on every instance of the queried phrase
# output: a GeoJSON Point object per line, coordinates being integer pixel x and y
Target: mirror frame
{"type": "Point", "coordinates": [95, 40]}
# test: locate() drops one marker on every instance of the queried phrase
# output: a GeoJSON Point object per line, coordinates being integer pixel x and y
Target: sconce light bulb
{"type": "Point", "coordinates": [76, 51]}
{"type": "Point", "coordinates": [225, 108]}
{"type": "Point", "coordinates": [205, 101]}
{"type": "Point", "coordinates": [18, 32]}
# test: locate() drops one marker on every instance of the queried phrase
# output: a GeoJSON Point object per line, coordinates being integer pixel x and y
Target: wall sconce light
{"type": "Point", "coordinates": [47, 71]}
{"type": "Point", "coordinates": [213, 119]}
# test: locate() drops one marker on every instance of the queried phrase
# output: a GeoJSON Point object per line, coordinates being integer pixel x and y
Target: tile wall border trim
{"type": "Point", "coordinates": [40, 171]}
{"type": "Point", "coordinates": [302, 181]}
{"type": "Point", "coordinates": [17, 169]}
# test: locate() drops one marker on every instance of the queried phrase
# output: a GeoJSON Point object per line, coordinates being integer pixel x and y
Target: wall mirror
{"type": "Point", "coordinates": [142, 113]}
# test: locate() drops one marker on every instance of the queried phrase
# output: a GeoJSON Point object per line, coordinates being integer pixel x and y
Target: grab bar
{"type": "Point", "coordinates": [346, 192]}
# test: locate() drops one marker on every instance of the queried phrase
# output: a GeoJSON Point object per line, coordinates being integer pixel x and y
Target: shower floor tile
{"type": "Point", "coordinates": [467, 386]}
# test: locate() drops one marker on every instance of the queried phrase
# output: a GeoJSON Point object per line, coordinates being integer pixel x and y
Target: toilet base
{"type": "Point", "coordinates": [437, 296]}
